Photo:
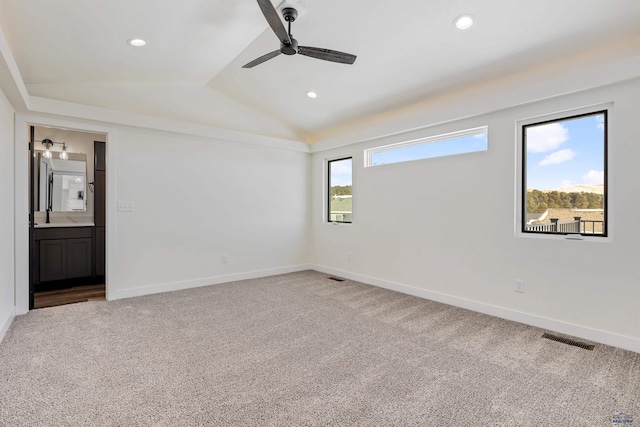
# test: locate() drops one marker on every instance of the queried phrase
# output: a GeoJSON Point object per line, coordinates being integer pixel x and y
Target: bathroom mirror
{"type": "Point", "coordinates": [60, 185]}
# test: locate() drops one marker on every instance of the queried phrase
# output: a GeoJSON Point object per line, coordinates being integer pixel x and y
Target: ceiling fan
{"type": "Point", "coordinates": [289, 45]}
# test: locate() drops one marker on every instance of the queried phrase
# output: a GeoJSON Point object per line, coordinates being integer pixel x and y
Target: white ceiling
{"type": "Point", "coordinates": [191, 71]}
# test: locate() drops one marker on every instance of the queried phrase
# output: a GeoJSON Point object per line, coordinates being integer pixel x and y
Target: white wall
{"type": "Point", "coordinates": [7, 307]}
{"type": "Point", "coordinates": [197, 199]}
{"type": "Point", "coordinates": [445, 228]}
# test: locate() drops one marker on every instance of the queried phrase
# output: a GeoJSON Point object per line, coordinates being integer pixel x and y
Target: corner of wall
{"type": "Point", "coordinates": [11, 82]}
{"type": "Point", "coordinates": [5, 323]}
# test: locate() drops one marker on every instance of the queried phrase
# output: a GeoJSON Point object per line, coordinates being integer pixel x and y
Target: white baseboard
{"type": "Point", "coordinates": [5, 323]}
{"type": "Point", "coordinates": [620, 341]}
{"type": "Point", "coordinates": [206, 281]}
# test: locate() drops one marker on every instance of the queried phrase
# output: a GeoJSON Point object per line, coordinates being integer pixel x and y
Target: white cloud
{"type": "Point", "coordinates": [600, 122]}
{"type": "Point", "coordinates": [565, 183]}
{"type": "Point", "coordinates": [541, 139]}
{"type": "Point", "coordinates": [593, 177]}
{"type": "Point", "coordinates": [558, 157]}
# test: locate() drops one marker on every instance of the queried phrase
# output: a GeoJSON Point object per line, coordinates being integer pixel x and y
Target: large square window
{"type": "Point", "coordinates": [340, 197]}
{"type": "Point", "coordinates": [564, 175]}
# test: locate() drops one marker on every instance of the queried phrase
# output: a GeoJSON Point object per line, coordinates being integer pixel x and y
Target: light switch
{"type": "Point", "coordinates": [125, 206]}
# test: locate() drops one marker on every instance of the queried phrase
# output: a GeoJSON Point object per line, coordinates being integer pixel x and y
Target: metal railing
{"type": "Point", "coordinates": [578, 225]}
{"type": "Point", "coordinates": [591, 227]}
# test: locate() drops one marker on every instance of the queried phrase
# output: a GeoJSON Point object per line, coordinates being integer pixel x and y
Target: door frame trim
{"type": "Point", "coordinates": [21, 197]}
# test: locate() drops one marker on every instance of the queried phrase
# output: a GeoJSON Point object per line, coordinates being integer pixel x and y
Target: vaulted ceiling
{"type": "Point", "coordinates": [191, 68]}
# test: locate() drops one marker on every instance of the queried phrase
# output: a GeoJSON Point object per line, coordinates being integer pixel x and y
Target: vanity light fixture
{"type": "Point", "coordinates": [63, 154]}
{"type": "Point", "coordinates": [463, 22]}
{"type": "Point", "coordinates": [47, 143]}
{"type": "Point", "coordinates": [136, 42]}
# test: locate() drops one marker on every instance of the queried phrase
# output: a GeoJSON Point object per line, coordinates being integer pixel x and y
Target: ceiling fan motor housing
{"type": "Point", "coordinates": [289, 48]}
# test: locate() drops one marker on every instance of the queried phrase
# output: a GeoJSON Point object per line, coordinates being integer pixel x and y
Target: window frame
{"type": "Point", "coordinates": [328, 196]}
{"type": "Point", "coordinates": [370, 152]}
{"type": "Point", "coordinates": [523, 125]}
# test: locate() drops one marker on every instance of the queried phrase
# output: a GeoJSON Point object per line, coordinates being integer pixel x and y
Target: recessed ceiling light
{"type": "Point", "coordinates": [136, 42]}
{"type": "Point", "coordinates": [311, 94]}
{"type": "Point", "coordinates": [463, 22]}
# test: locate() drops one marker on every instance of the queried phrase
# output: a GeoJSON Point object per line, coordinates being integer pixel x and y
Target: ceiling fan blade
{"type": "Point", "coordinates": [271, 15]}
{"type": "Point", "coordinates": [262, 59]}
{"type": "Point", "coordinates": [327, 54]}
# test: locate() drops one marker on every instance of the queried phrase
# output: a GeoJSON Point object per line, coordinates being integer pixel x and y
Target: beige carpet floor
{"type": "Point", "coordinates": [301, 350]}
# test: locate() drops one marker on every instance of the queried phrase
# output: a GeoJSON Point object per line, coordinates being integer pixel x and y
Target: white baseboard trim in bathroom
{"type": "Point", "coordinates": [596, 335]}
{"type": "Point", "coordinates": [206, 281]}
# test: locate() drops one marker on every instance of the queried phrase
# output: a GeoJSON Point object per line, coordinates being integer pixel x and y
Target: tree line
{"type": "Point", "coordinates": [539, 201]}
{"type": "Point", "coordinates": [341, 190]}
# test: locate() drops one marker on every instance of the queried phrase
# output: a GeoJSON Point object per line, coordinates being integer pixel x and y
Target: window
{"type": "Point", "coordinates": [564, 175]}
{"type": "Point", "coordinates": [340, 194]}
{"type": "Point", "coordinates": [466, 141]}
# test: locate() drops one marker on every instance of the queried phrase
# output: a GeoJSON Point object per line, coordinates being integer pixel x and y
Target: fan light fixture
{"type": "Point", "coordinates": [463, 22]}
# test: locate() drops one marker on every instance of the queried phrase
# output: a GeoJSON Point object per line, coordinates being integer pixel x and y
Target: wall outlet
{"type": "Point", "coordinates": [225, 259]}
{"type": "Point", "coordinates": [519, 286]}
{"type": "Point", "coordinates": [348, 256]}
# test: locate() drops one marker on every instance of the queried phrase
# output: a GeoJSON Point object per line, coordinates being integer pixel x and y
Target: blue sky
{"type": "Point", "coordinates": [341, 172]}
{"type": "Point", "coordinates": [447, 147]}
{"type": "Point", "coordinates": [565, 153]}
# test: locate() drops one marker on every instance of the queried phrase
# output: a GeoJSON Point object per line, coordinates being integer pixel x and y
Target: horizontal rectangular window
{"type": "Point", "coordinates": [340, 196]}
{"type": "Point", "coordinates": [564, 175]}
{"type": "Point", "coordinates": [461, 142]}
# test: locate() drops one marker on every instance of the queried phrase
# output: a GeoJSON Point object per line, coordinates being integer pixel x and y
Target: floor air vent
{"type": "Point", "coordinates": [337, 279]}
{"type": "Point", "coordinates": [568, 341]}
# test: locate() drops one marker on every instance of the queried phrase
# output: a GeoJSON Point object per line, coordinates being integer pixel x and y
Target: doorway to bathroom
{"type": "Point", "coordinates": [67, 227]}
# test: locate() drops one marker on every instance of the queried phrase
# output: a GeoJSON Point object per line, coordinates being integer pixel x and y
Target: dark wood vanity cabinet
{"type": "Point", "coordinates": [64, 253]}
{"type": "Point", "coordinates": [53, 260]}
